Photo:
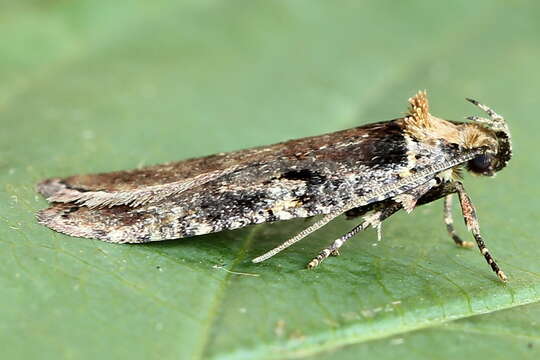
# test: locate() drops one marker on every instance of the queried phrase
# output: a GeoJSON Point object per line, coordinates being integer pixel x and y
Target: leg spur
{"type": "Point", "coordinates": [374, 220]}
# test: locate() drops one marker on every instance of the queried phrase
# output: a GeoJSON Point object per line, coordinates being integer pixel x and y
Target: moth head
{"type": "Point", "coordinates": [498, 143]}
{"type": "Point", "coordinates": [489, 137]}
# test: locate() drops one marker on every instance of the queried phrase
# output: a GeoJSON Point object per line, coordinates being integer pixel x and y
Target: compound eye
{"type": "Point", "coordinates": [481, 163]}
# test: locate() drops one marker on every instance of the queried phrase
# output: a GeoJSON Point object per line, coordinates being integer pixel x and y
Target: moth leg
{"type": "Point", "coordinates": [449, 221]}
{"type": "Point", "coordinates": [333, 249]}
{"type": "Point", "coordinates": [471, 220]}
{"type": "Point", "coordinates": [373, 220]}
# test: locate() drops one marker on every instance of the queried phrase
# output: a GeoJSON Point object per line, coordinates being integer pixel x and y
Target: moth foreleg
{"type": "Point", "coordinates": [373, 220]}
{"type": "Point", "coordinates": [449, 221]}
{"type": "Point", "coordinates": [471, 220]}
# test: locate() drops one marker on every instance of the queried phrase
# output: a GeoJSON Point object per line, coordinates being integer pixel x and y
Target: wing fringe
{"type": "Point", "coordinates": [55, 190]}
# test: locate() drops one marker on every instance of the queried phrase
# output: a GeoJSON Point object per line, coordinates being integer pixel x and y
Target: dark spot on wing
{"type": "Point", "coordinates": [66, 212]}
{"type": "Point", "coordinates": [309, 176]}
{"type": "Point", "coordinates": [388, 149]}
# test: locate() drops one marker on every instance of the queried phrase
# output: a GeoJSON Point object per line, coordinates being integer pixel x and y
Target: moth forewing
{"type": "Point", "coordinates": [380, 167]}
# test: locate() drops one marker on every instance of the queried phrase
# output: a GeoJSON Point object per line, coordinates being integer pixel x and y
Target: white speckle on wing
{"type": "Point", "coordinates": [201, 228]}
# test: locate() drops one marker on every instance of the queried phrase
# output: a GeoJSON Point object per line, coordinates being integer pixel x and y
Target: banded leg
{"type": "Point", "coordinates": [374, 220]}
{"type": "Point", "coordinates": [449, 221]}
{"type": "Point", "coordinates": [471, 220]}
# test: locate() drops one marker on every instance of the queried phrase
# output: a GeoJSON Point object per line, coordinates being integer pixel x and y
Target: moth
{"type": "Point", "coordinates": [374, 170]}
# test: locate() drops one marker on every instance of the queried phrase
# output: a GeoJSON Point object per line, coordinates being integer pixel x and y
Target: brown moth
{"type": "Point", "coordinates": [379, 168]}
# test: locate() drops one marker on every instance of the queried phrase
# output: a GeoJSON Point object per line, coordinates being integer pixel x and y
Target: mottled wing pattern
{"type": "Point", "coordinates": [153, 183]}
{"type": "Point", "coordinates": [298, 178]}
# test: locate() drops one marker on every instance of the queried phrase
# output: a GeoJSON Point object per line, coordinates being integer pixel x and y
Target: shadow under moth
{"type": "Point", "coordinates": [373, 171]}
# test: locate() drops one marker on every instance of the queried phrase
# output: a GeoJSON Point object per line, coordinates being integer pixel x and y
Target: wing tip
{"type": "Point", "coordinates": [50, 187]}
{"type": "Point", "coordinates": [73, 220]}
{"type": "Point", "coordinates": [57, 218]}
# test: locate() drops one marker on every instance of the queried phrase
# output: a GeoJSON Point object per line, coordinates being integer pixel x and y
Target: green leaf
{"type": "Point", "coordinates": [508, 334]}
{"type": "Point", "coordinates": [92, 86]}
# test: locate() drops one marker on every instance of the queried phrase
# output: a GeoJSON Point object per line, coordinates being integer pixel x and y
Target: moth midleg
{"type": "Point", "coordinates": [449, 221]}
{"type": "Point", "coordinates": [333, 249]}
{"type": "Point", "coordinates": [471, 220]}
{"type": "Point", "coordinates": [302, 234]}
{"type": "Point", "coordinates": [374, 220]}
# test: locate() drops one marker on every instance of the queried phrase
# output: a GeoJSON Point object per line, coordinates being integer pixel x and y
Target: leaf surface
{"type": "Point", "coordinates": [93, 86]}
